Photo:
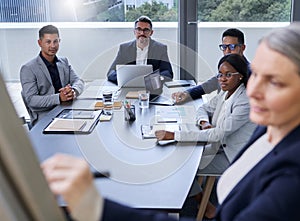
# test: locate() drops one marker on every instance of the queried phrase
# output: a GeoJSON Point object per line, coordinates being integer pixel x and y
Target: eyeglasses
{"type": "Point", "coordinates": [227, 75]}
{"type": "Point", "coordinates": [145, 30]}
{"type": "Point", "coordinates": [230, 46]}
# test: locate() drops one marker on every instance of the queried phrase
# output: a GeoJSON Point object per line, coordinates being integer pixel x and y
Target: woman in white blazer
{"type": "Point", "coordinates": [230, 127]}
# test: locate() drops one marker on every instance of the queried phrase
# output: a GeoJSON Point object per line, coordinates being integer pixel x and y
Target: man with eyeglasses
{"type": "Point", "coordinates": [233, 41]}
{"type": "Point", "coordinates": [142, 50]}
{"type": "Point", "coordinates": [48, 80]}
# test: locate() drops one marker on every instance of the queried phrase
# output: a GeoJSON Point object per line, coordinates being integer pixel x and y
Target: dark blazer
{"type": "Point", "coordinates": [271, 190]}
{"type": "Point", "coordinates": [113, 211]}
{"type": "Point", "coordinates": [157, 57]}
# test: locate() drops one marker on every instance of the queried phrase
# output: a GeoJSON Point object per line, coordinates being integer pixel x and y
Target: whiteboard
{"type": "Point", "coordinates": [24, 193]}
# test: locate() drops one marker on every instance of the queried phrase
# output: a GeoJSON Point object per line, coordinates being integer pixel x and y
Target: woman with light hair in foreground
{"type": "Point", "coordinates": [263, 181]}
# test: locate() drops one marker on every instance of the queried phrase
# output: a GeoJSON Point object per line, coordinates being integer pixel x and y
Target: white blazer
{"type": "Point", "coordinates": [232, 132]}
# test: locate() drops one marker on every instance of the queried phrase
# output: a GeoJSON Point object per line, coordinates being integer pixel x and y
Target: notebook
{"type": "Point", "coordinates": [132, 75]}
{"type": "Point", "coordinates": [154, 85]}
{"type": "Point", "coordinates": [71, 121]}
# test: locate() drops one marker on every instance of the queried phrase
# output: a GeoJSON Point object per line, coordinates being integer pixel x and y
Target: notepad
{"type": "Point", "coordinates": [104, 117]}
{"type": "Point", "coordinates": [61, 124]}
{"type": "Point", "coordinates": [132, 95]}
{"type": "Point", "coordinates": [178, 83]}
{"type": "Point", "coordinates": [99, 105]}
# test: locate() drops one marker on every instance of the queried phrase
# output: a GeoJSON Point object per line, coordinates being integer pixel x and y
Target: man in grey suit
{"type": "Point", "coordinates": [142, 50]}
{"type": "Point", "coordinates": [48, 80]}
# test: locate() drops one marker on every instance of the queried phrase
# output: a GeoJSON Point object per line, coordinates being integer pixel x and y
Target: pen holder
{"type": "Point", "coordinates": [129, 113]}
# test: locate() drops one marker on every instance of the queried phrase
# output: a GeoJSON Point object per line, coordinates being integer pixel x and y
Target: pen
{"type": "Point", "coordinates": [126, 104]}
{"type": "Point", "coordinates": [103, 174]}
{"type": "Point", "coordinates": [83, 125]}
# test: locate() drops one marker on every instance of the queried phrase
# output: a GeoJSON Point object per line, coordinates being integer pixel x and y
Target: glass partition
{"type": "Point", "coordinates": [95, 28]}
{"type": "Point", "coordinates": [86, 10]}
{"type": "Point", "coordinates": [253, 17]}
{"type": "Point", "coordinates": [244, 11]}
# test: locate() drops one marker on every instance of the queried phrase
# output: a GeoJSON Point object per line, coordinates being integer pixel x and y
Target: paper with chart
{"type": "Point", "coordinates": [175, 114]}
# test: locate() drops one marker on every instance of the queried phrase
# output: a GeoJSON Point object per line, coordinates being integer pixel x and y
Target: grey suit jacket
{"type": "Point", "coordinates": [157, 57]}
{"type": "Point", "coordinates": [235, 129]}
{"type": "Point", "coordinates": [37, 90]}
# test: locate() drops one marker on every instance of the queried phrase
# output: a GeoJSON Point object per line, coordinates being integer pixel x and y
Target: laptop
{"type": "Point", "coordinates": [132, 75]}
{"type": "Point", "coordinates": [154, 85]}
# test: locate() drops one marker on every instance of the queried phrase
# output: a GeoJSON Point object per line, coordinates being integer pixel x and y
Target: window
{"type": "Point", "coordinates": [86, 10]}
{"type": "Point", "coordinates": [97, 26]}
{"type": "Point", "coordinates": [126, 10]}
{"type": "Point", "coordinates": [244, 11]}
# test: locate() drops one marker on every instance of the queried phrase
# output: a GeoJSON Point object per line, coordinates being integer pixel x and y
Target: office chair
{"type": "Point", "coordinates": [29, 112]}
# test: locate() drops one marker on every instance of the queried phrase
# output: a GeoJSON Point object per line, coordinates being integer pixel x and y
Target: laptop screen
{"type": "Point", "coordinates": [132, 75]}
{"type": "Point", "coordinates": [153, 83]}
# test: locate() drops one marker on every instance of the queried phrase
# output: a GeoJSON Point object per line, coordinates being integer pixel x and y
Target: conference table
{"type": "Point", "coordinates": [143, 174]}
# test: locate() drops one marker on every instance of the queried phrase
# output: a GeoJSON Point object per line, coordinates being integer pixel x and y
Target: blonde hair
{"type": "Point", "coordinates": [286, 41]}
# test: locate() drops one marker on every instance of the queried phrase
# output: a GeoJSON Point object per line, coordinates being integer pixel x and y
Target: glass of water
{"type": "Point", "coordinates": [144, 99]}
{"type": "Point", "coordinates": [108, 102]}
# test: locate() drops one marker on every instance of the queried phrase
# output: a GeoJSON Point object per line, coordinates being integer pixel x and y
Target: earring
{"type": "Point", "coordinates": [241, 78]}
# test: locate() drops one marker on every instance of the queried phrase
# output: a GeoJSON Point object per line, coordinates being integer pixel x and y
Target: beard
{"type": "Point", "coordinates": [142, 41]}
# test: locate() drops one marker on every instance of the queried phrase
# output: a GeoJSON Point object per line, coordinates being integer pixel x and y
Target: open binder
{"type": "Point", "coordinates": [71, 121]}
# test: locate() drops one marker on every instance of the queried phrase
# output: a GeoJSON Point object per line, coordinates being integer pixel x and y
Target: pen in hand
{"type": "Point", "coordinates": [103, 174]}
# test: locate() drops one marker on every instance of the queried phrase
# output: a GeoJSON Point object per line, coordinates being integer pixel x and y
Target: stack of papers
{"type": "Point", "coordinates": [175, 114]}
{"type": "Point", "coordinates": [99, 105]}
{"type": "Point", "coordinates": [167, 114]}
{"type": "Point", "coordinates": [170, 118]}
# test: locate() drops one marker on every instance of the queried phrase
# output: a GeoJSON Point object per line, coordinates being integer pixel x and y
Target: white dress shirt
{"type": "Point", "coordinates": [141, 55]}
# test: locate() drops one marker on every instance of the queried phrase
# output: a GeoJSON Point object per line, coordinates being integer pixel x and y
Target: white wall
{"type": "Point", "coordinates": [91, 47]}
